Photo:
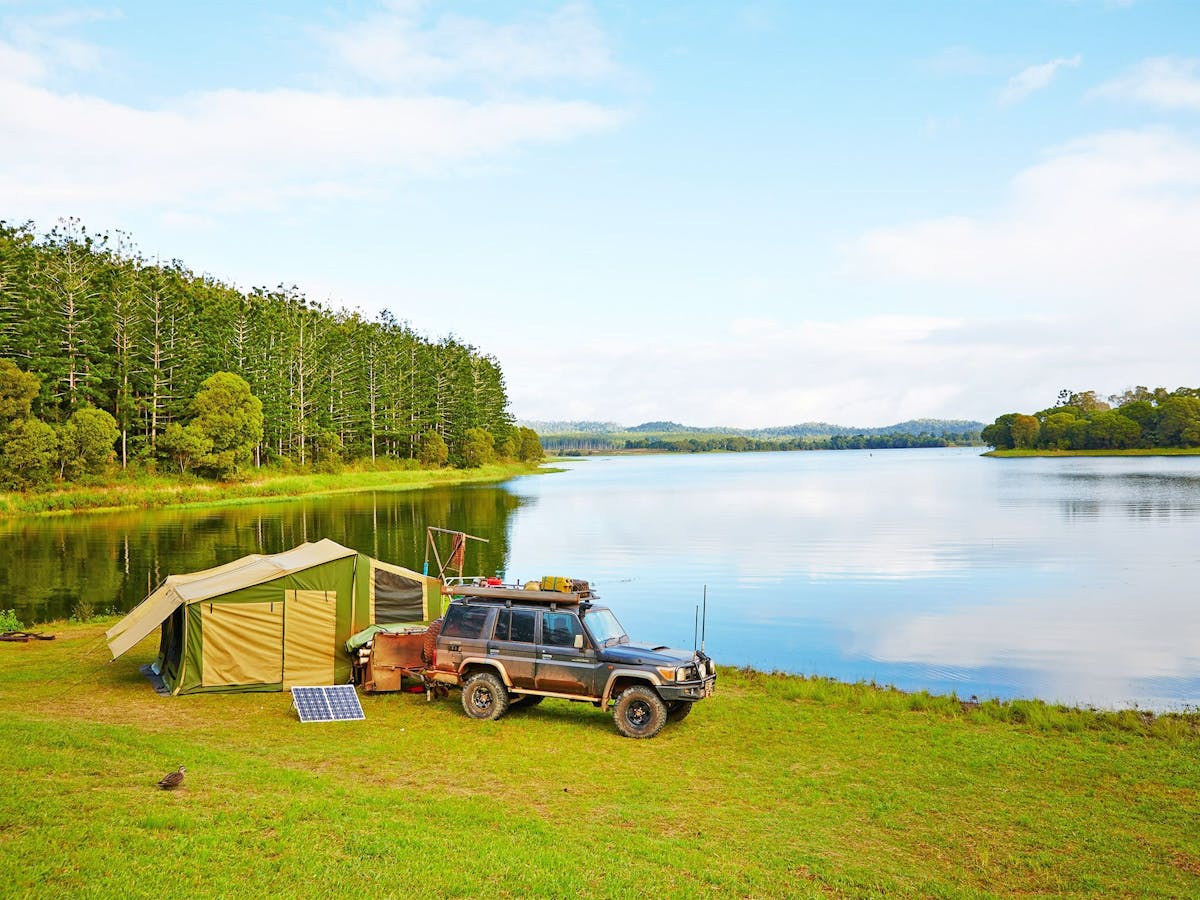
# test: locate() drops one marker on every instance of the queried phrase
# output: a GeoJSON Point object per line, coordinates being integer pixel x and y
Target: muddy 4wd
{"type": "Point", "coordinates": [508, 646]}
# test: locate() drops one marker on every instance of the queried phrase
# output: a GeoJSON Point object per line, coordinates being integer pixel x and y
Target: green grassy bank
{"type": "Point", "coordinates": [146, 491]}
{"type": "Point", "coordinates": [1151, 451]}
{"type": "Point", "coordinates": [778, 786]}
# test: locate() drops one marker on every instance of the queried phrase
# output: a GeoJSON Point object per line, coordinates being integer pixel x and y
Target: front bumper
{"type": "Point", "coordinates": [689, 690]}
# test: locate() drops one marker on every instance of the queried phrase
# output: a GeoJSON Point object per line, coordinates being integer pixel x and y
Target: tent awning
{"type": "Point", "coordinates": [196, 586]}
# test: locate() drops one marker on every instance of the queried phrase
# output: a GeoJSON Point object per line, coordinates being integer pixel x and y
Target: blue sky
{"type": "Point", "coordinates": [741, 214]}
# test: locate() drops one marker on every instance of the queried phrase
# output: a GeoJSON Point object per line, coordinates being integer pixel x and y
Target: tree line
{"type": "Point", "coordinates": [1137, 418]}
{"type": "Point", "coordinates": [101, 329]}
{"type": "Point", "coordinates": [740, 444]}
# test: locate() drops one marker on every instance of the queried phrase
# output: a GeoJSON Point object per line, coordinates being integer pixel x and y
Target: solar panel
{"type": "Point", "coordinates": [327, 704]}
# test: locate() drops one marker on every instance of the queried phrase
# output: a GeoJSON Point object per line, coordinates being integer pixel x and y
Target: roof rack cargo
{"type": "Point", "coordinates": [571, 598]}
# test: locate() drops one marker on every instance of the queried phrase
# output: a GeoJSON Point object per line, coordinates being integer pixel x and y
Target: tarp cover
{"type": "Point", "coordinates": [215, 582]}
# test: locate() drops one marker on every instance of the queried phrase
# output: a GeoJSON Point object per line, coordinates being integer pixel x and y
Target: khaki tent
{"type": "Point", "coordinates": [266, 623]}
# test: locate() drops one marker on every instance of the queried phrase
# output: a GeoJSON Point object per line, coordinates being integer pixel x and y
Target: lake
{"type": "Point", "coordinates": [1071, 580]}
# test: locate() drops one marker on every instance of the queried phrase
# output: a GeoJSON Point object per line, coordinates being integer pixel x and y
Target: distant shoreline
{"type": "Point", "coordinates": [1141, 451]}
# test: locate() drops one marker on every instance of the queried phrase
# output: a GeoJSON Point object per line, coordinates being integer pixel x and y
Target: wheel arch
{"type": "Point", "coordinates": [474, 664]}
{"type": "Point", "coordinates": [621, 679]}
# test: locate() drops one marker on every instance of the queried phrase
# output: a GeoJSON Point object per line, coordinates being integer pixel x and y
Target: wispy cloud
{"type": "Point", "coordinates": [958, 60]}
{"type": "Point", "coordinates": [1032, 79]}
{"type": "Point", "coordinates": [1165, 82]}
{"type": "Point", "coordinates": [404, 48]}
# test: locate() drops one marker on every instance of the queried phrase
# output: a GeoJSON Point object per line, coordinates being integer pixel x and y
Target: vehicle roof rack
{"type": "Point", "coordinates": [515, 594]}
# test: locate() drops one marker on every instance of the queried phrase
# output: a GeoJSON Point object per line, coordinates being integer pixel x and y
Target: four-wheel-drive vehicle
{"type": "Point", "coordinates": [507, 646]}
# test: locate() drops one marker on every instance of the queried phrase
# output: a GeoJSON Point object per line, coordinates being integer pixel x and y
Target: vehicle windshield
{"type": "Point", "coordinates": [604, 628]}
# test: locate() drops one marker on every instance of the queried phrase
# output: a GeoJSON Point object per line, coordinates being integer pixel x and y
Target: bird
{"type": "Point", "coordinates": [172, 780]}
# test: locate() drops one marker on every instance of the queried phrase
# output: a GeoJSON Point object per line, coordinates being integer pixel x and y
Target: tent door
{"type": "Point", "coordinates": [309, 637]}
{"type": "Point", "coordinates": [240, 643]}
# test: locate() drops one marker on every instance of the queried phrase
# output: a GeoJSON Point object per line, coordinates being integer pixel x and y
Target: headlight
{"type": "Point", "coordinates": [667, 673]}
{"type": "Point", "coordinates": [683, 674]}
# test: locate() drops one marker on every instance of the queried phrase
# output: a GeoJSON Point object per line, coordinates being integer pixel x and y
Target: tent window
{"type": "Point", "coordinates": [398, 599]}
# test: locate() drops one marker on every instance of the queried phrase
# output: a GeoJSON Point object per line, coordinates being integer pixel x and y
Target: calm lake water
{"type": "Point", "coordinates": [1076, 580]}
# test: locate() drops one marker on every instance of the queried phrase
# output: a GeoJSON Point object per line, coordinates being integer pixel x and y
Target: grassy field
{"type": "Point", "coordinates": [146, 491]}
{"type": "Point", "coordinates": [1151, 451]}
{"type": "Point", "coordinates": [778, 786]}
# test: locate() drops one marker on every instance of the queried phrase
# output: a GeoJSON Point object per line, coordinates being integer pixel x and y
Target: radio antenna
{"type": "Point", "coordinates": [704, 621]}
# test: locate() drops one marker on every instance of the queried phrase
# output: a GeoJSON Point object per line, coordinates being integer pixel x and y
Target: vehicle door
{"type": "Point", "coordinates": [513, 644]}
{"type": "Point", "coordinates": [566, 661]}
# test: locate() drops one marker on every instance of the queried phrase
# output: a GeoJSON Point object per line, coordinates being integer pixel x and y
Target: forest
{"type": "Point", "coordinates": [1140, 418]}
{"type": "Point", "coordinates": [91, 328]}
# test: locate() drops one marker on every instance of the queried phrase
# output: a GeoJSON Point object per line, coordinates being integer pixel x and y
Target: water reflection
{"type": "Point", "coordinates": [114, 560]}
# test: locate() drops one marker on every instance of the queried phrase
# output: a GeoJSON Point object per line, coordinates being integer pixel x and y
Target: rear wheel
{"type": "Point", "coordinates": [484, 696]}
{"type": "Point", "coordinates": [678, 710]}
{"type": "Point", "coordinates": [639, 712]}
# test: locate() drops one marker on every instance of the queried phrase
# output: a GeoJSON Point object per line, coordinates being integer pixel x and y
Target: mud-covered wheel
{"type": "Point", "coordinates": [484, 696]}
{"type": "Point", "coordinates": [524, 700]}
{"type": "Point", "coordinates": [430, 644]}
{"type": "Point", "coordinates": [639, 712]}
{"type": "Point", "coordinates": [677, 710]}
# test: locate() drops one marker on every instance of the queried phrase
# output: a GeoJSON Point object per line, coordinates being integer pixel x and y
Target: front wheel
{"type": "Point", "coordinates": [639, 712]}
{"type": "Point", "coordinates": [484, 696]}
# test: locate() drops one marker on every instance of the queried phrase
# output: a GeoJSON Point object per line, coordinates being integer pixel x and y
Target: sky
{"type": "Point", "coordinates": [743, 214]}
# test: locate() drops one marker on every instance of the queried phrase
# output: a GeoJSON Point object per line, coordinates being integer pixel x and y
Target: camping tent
{"type": "Point", "coordinates": [266, 623]}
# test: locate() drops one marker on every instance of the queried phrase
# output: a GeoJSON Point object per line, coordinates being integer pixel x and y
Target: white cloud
{"type": "Point", "coordinates": [1101, 222]}
{"type": "Point", "coordinates": [1035, 78]}
{"type": "Point", "coordinates": [399, 48]}
{"type": "Point", "coordinates": [1165, 82]}
{"type": "Point", "coordinates": [868, 371]}
{"type": "Point", "coordinates": [232, 150]}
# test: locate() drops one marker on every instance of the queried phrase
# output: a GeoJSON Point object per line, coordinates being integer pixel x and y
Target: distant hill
{"type": "Point", "coordinates": [805, 429]}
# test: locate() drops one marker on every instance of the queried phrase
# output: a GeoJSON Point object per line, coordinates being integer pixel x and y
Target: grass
{"type": "Point", "coordinates": [778, 786]}
{"type": "Point", "coordinates": [148, 491]}
{"type": "Point", "coordinates": [1139, 451]}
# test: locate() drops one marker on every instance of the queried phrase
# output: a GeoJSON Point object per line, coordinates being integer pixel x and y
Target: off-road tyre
{"type": "Point", "coordinates": [524, 700]}
{"type": "Point", "coordinates": [639, 712]}
{"type": "Point", "coordinates": [429, 647]}
{"type": "Point", "coordinates": [484, 696]}
{"type": "Point", "coordinates": [678, 710]}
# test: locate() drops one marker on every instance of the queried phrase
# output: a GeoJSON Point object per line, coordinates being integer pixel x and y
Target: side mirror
{"type": "Point", "coordinates": [579, 642]}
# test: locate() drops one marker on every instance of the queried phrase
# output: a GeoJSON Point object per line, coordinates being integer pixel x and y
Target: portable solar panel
{"type": "Point", "coordinates": [327, 704]}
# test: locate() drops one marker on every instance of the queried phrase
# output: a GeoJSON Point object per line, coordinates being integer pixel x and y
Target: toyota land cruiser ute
{"type": "Point", "coordinates": [507, 646]}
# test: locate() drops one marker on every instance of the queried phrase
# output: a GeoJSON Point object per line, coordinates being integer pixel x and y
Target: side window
{"type": "Point", "coordinates": [515, 625]}
{"type": "Point", "coordinates": [559, 629]}
{"type": "Point", "coordinates": [465, 621]}
{"type": "Point", "coordinates": [522, 625]}
{"type": "Point", "coordinates": [501, 633]}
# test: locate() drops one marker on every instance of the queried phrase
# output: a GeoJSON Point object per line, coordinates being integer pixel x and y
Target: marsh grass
{"type": "Point", "coordinates": [778, 786]}
{"type": "Point", "coordinates": [148, 491]}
